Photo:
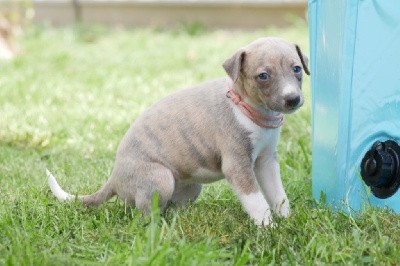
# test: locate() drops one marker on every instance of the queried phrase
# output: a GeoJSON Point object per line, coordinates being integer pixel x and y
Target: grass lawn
{"type": "Point", "coordinates": [65, 105]}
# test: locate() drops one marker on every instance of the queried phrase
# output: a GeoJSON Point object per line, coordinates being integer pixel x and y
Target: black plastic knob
{"type": "Point", "coordinates": [380, 168]}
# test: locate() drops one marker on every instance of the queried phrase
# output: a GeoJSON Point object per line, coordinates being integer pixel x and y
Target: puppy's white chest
{"type": "Point", "coordinates": [264, 139]}
{"type": "Point", "coordinates": [261, 138]}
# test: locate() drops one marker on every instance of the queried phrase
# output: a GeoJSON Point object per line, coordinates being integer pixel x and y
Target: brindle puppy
{"type": "Point", "coordinates": [204, 133]}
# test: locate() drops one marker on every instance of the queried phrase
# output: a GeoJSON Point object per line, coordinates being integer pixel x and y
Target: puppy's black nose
{"type": "Point", "coordinates": [292, 100]}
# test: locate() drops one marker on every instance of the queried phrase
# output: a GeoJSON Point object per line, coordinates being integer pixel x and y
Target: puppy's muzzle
{"type": "Point", "coordinates": [292, 101]}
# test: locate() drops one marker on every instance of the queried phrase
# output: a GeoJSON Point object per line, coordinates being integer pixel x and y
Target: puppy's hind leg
{"type": "Point", "coordinates": [185, 194]}
{"type": "Point", "coordinates": [155, 178]}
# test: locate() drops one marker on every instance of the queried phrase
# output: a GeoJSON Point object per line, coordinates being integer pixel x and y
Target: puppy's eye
{"type": "Point", "coordinates": [296, 69]}
{"type": "Point", "coordinates": [263, 76]}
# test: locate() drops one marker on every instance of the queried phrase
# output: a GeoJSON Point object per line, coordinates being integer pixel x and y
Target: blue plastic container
{"type": "Point", "coordinates": [355, 77]}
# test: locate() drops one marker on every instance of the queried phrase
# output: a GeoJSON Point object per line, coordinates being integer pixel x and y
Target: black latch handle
{"type": "Point", "coordinates": [380, 168]}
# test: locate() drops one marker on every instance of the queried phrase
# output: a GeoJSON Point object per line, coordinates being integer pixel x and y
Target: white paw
{"type": "Point", "coordinates": [264, 220]}
{"type": "Point", "coordinates": [283, 209]}
{"type": "Point", "coordinates": [257, 208]}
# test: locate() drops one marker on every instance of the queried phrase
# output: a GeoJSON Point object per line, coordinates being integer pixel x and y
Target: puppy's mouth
{"type": "Point", "coordinates": [292, 109]}
{"type": "Point", "coordinates": [284, 108]}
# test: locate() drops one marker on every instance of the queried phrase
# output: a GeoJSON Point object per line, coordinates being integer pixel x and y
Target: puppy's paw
{"type": "Point", "coordinates": [283, 209]}
{"type": "Point", "coordinates": [257, 208]}
{"type": "Point", "coordinates": [264, 220]}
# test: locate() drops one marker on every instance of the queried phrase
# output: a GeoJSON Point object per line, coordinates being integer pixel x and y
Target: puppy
{"type": "Point", "coordinates": [227, 127]}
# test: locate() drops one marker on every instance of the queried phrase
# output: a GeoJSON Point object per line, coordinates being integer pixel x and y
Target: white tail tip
{"type": "Point", "coordinates": [58, 192]}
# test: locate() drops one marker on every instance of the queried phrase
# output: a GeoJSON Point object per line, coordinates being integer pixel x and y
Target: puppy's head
{"type": "Point", "coordinates": [269, 72]}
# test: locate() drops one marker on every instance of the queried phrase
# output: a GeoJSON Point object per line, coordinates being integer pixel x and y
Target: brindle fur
{"type": "Point", "coordinates": [197, 128]}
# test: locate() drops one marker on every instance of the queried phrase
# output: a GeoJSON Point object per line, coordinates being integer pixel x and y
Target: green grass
{"type": "Point", "coordinates": [66, 103]}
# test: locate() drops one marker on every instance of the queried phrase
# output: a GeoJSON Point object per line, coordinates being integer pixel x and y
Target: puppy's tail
{"type": "Point", "coordinates": [93, 200]}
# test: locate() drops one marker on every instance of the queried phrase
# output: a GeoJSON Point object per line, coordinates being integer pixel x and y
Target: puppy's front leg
{"type": "Point", "coordinates": [269, 179]}
{"type": "Point", "coordinates": [257, 207]}
{"type": "Point", "coordinates": [243, 182]}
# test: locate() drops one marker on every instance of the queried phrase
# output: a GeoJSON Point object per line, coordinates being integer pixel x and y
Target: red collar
{"type": "Point", "coordinates": [265, 121]}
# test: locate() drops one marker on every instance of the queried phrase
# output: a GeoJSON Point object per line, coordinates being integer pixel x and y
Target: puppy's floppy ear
{"type": "Point", "coordinates": [303, 59]}
{"type": "Point", "coordinates": [233, 65]}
